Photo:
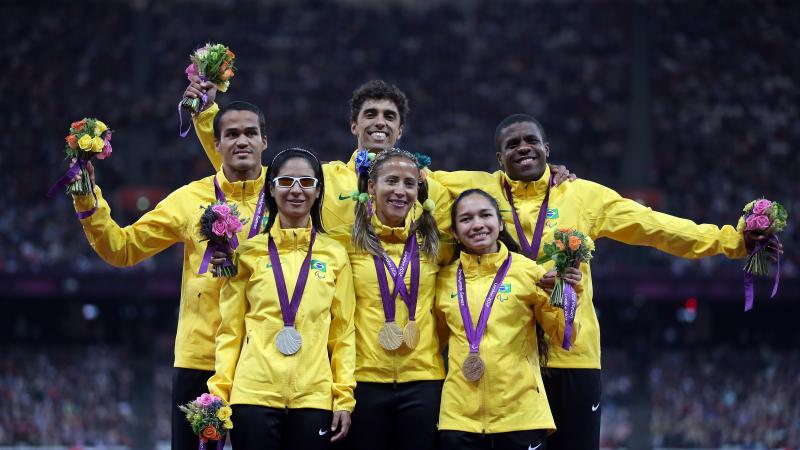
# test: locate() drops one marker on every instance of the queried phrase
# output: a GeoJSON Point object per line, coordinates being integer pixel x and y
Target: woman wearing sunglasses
{"type": "Point", "coordinates": [488, 299]}
{"type": "Point", "coordinates": [399, 367]}
{"type": "Point", "coordinates": [286, 345]}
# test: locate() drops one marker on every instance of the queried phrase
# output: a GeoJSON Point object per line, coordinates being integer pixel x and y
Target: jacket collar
{"type": "Point", "coordinates": [475, 265]}
{"type": "Point", "coordinates": [390, 234]}
{"type": "Point", "coordinates": [241, 189]}
{"type": "Point", "coordinates": [523, 189]}
{"type": "Point", "coordinates": [290, 238]}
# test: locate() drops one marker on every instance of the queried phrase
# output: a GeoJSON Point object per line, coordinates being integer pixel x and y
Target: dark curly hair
{"type": "Point", "coordinates": [378, 90]}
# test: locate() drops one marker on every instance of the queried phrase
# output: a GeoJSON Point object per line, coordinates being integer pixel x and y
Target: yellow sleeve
{"type": "Point", "coordinates": [441, 197]}
{"type": "Point", "coordinates": [121, 247]}
{"type": "Point", "coordinates": [342, 338]}
{"type": "Point", "coordinates": [627, 221]}
{"type": "Point", "coordinates": [204, 127]}
{"type": "Point", "coordinates": [231, 331]}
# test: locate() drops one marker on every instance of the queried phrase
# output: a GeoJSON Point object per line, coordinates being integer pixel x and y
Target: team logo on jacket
{"type": "Point", "coordinates": [502, 293]}
{"type": "Point", "coordinates": [552, 213]}
{"type": "Point", "coordinates": [319, 268]}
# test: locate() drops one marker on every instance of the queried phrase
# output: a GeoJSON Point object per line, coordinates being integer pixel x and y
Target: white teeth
{"type": "Point", "coordinates": [378, 135]}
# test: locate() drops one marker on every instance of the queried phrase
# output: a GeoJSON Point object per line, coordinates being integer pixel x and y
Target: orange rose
{"type": "Point", "coordinates": [78, 126]}
{"type": "Point", "coordinates": [211, 433]}
{"type": "Point", "coordinates": [574, 243]}
{"type": "Point", "coordinates": [223, 66]}
{"type": "Point", "coordinates": [227, 74]}
{"type": "Point", "coordinates": [559, 244]}
{"type": "Point", "coordinates": [72, 141]}
{"type": "Point", "coordinates": [230, 53]}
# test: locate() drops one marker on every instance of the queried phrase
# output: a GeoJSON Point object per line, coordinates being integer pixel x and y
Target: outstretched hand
{"type": "Point", "coordinates": [752, 239]}
{"type": "Point", "coordinates": [79, 175]}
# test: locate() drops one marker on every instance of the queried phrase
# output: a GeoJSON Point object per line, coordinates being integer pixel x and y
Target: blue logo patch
{"type": "Point", "coordinates": [552, 213]}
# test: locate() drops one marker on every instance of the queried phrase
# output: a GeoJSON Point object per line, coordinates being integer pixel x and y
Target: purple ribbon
{"type": "Point", "coordinates": [289, 309]}
{"type": "Point", "coordinates": [531, 250]}
{"type": "Point", "coordinates": [220, 443]}
{"type": "Point", "coordinates": [203, 97]}
{"type": "Point", "coordinates": [410, 255]}
{"type": "Point", "coordinates": [475, 335]}
{"type": "Point", "coordinates": [255, 226]}
{"type": "Point", "coordinates": [570, 305]}
{"type": "Point", "coordinates": [748, 277]}
{"type": "Point", "coordinates": [410, 252]}
{"type": "Point", "coordinates": [65, 179]}
{"type": "Point", "coordinates": [212, 247]}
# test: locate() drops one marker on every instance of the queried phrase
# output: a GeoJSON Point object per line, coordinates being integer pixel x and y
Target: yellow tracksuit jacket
{"type": "Point", "coordinates": [175, 219]}
{"type": "Point", "coordinates": [373, 362]}
{"type": "Point", "coordinates": [599, 212]}
{"type": "Point", "coordinates": [510, 395]}
{"type": "Point", "coordinates": [249, 367]}
{"type": "Point", "coordinates": [340, 181]}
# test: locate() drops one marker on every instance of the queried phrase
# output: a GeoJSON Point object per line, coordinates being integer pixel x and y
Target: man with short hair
{"type": "Point", "coordinates": [523, 188]}
{"type": "Point", "coordinates": [239, 140]}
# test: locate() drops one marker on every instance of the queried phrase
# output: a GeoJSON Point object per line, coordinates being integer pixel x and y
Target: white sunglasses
{"type": "Point", "coordinates": [287, 182]}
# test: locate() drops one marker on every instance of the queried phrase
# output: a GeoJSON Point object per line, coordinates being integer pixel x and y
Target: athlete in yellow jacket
{"type": "Point", "coordinates": [286, 342]}
{"type": "Point", "coordinates": [488, 298]}
{"type": "Point", "coordinates": [378, 112]}
{"type": "Point", "coordinates": [175, 220]}
{"type": "Point", "coordinates": [573, 384]}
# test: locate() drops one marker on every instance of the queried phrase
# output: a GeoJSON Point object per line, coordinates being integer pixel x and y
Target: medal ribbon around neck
{"type": "Point", "coordinates": [289, 309]}
{"type": "Point", "coordinates": [531, 250]}
{"type": "Point", "coordinates": [475, 335]}
{"type": "Point", "coordinates": [410, 256]}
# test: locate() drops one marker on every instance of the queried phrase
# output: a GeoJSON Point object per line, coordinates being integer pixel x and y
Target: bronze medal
{"type": "Point", "coordinates": [473, 367]}
{"type": "Point", "coordinates": [391, 336]}
{"type": "Point", "coordinates": [411, 334]}
{"type": "Point", "coordinates": [288, 341]}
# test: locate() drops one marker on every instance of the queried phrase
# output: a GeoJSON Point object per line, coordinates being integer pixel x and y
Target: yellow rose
{"type": "Point", "coordinates": [99, 127]}
{"type": "Point", "coordinates": [97, 144]}
{"type": "Point", "coordinates": [228, 424]}
{"type": "Point", "coordinates": [85, 142]}
{"type": "Point", "coordinates": [224, 413]}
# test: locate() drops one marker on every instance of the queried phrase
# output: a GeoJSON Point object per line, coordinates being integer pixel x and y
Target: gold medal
{"type": "Point", "coordinates": [391, 336]}
{"type": "Point", "coordinates": [473, 367]}
{"type": "Point", "coordinates": [411, 334]}
{"type": "Point", "coordinates": [288, 341]}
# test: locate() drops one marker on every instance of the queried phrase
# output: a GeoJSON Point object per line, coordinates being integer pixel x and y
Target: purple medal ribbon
{"type": "Point", "coordinates": [220, 443]}
{"type": "Point", "coordinates": [398, 275]}
{"type": "Point", "coordinates": [65, 179]}
{"type": "Point", "coordinates": [570, 305]}
{"type": "Point", "coordinates": [289, 309]}
{"type": "Point", "coordinates": [531, 250]}
{"type": "Point", "coordinates": [748, 277]}
{"type": "Point", "coordinates": [410, 255]}
{"type": "Point", "coordinates": [475, 335]}
{"type": "Point", "coordinates": [254, 228]}
{"type": "Point", "coordinates": [181, 132]}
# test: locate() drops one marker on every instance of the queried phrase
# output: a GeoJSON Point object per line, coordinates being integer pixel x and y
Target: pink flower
{"type": "Point", "coordinates": [191, 70]}
{"type": "Point", "coordinates": [205, 400]}
{"type": "Point", "coordinates": [761, 206]}
{"type": "Point", "coordinates": [223, 211]}
{"type": "Point", "coordinates": [218, 227]}
{"type": "Point", "coordinates": [233, 224]}
{"type": "Point", "coordinates": [106, 147]}
{"type": "Point", "coordinates": [750, 222]}
{"type": "Point", "coordinates": [762, 222]}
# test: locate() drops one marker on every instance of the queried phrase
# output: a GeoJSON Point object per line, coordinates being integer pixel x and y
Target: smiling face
{"type": "Point", "coordinates": [395, 188]}
{"type": "Point", "coordinates": [477, 224]}
{"type": "Point", "coordinates": [523, 152]}
{"type": "Point", "coordinates": [295, 202]}
{"type": "Point", "coordinates": [241, 144]}
{"type": "Point", "coordinates": [377, 126]}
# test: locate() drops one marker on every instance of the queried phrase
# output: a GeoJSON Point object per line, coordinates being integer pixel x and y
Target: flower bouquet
{"type": "Point", "coordinates": [218, 225]}
{"type": "Point", "coordinates": [568, 249]}
{"type": "Point", "coordinates": [87, 138]}
{"type": "Point", "coordinates": [766, 217]}
{"type": "Point", "coordinates": [210, 419]}
{"type": "Point", "coordinates": [214, 63]}
{"type": "Point", "coordinates": [761, 216]}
